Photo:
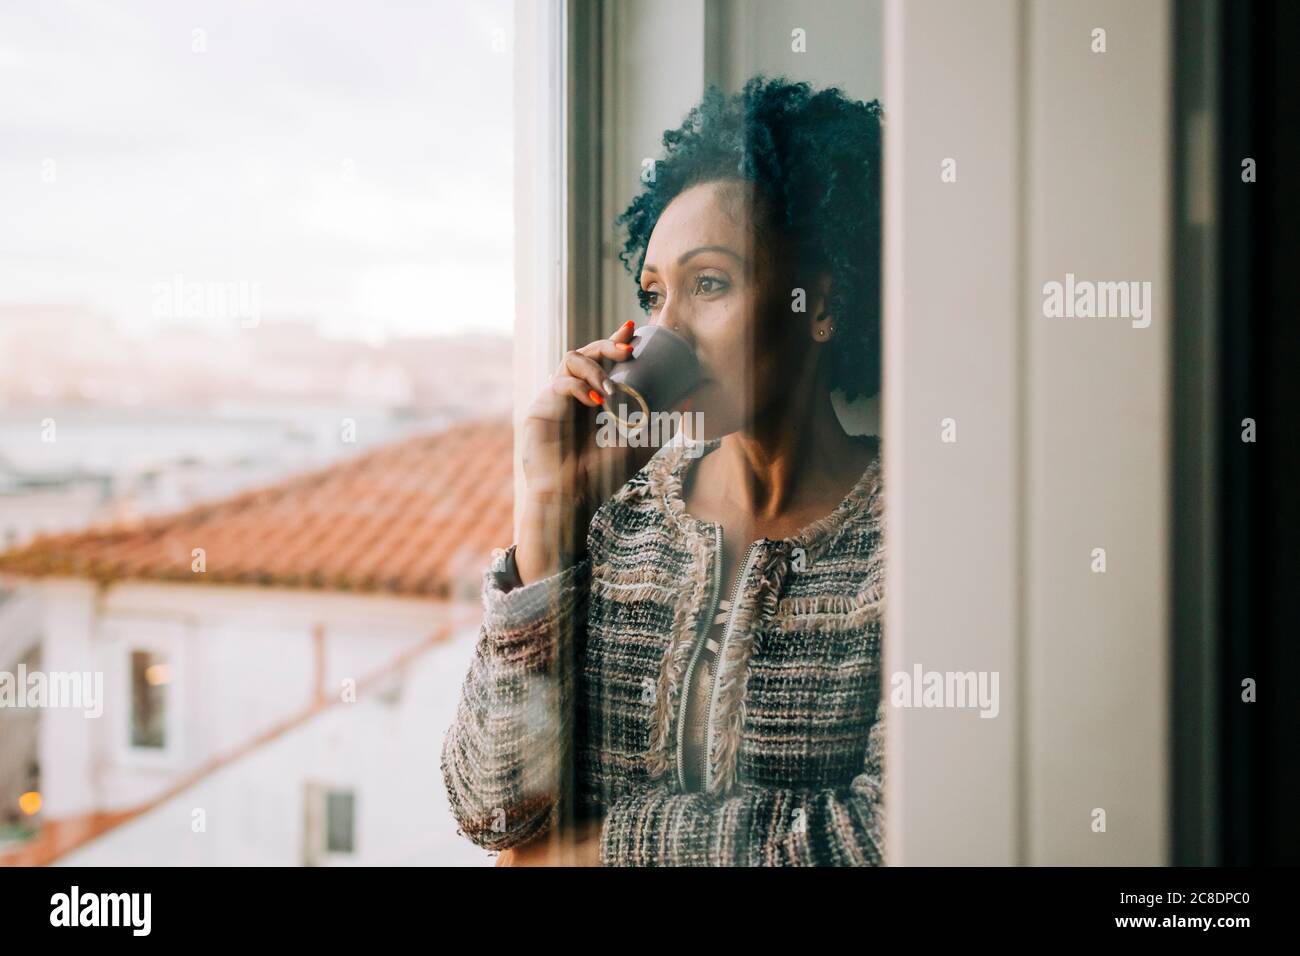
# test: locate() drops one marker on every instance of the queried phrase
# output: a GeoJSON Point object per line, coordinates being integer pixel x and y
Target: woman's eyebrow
{"type": "Point", "coordinates": [682, 259]}
{"type": "Point", "coordinates": [723, 249]}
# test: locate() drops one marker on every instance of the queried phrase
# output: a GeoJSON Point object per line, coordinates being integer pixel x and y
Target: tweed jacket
{"type": "Point", "coordinates": [584, 669]}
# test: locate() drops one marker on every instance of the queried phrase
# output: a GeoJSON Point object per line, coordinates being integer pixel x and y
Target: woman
{"type": "Point", "coordinates": [697, 664]}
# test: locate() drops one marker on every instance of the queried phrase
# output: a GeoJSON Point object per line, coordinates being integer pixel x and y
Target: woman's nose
{"type": "Point", "coordinates": [669, 320]}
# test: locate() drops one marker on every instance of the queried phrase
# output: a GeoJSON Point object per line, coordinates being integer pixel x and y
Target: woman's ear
{"type": "Point", "coordinates": [821, 322]}
{"type": "Point", "coordinates": [824, 327]}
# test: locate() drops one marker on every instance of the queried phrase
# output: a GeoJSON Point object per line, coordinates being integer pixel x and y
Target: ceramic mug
{"type": "Point", "coordinates": [663, 368]}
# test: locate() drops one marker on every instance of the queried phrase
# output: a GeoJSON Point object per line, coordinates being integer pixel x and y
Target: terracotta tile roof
{"type": "Point", "coordinates": [418, 517]}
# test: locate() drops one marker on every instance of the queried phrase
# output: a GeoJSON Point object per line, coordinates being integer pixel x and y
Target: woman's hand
{"type": "Point", "coordinates": [567, 474]}
{"type": "Point", "coordinates": [578, 846]}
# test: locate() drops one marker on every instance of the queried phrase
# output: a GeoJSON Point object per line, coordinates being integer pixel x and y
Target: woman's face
{"type": "Point", "coordinates": [727, 291]}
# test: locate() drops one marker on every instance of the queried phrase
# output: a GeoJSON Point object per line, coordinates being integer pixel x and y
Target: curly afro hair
{"type": "Point", "coordinates": [813, 160]}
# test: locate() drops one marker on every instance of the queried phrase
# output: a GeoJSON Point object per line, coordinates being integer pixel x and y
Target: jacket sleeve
{"type": "Point", "coordinates": [503, 754]}
{"type": "Point", "coordinates": [754, 826]}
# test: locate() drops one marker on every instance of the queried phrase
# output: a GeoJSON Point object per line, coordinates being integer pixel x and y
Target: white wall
{"type": "Point", "coordinates": [1097, 424]}
{"type": "Point", "coordinates": [950, 342]}
{"type": "Point", "coordinates": [843, 42]}
{"type": "Point", "coordinates": [387, 753]}
{"type": "Point", "coordinates": [244, 660]}
{"type": "Point", "coordinates": [67, 738]}
{"type": "Point", "coordinates": [1062, 166]}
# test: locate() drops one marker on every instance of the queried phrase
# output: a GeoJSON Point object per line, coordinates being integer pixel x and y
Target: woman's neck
{"type": "Point", "coordinates": [798, 459]}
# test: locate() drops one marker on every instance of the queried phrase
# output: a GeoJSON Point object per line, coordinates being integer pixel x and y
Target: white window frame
{"type": "Point", "coordinates": [539, 214]}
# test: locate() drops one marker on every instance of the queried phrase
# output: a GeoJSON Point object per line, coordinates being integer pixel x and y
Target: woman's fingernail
{"type": "Point", "coordinates": [609, 389]}
{"type": "Point", "coordinates": [627, 346]}
{"type": "Point", "coordinates": [595, 396]}
{"type": "Point", "coordinates": [628, 324]}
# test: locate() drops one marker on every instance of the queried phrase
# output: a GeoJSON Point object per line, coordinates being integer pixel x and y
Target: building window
{"type": "Point", "coordinates": [150, 676]}
{"type": "Point", "coordinates": [330, 824]}
{"type": "Point", "coordinates": [339, 807]}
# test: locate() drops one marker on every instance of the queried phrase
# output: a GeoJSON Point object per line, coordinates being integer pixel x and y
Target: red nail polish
{"type": "Point", "coordinates": [623, 345]}
{"type": "Point", "coordinates": [595, 396]}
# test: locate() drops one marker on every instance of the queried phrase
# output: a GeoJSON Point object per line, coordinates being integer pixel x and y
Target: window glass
{"type": "Point", "coordinates": [150, 676]}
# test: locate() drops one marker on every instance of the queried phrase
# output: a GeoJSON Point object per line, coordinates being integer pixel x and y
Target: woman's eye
{"type": "Point", "coordinates": [649, 299]}
{"type": "Point", "coordinates": [707, 284]}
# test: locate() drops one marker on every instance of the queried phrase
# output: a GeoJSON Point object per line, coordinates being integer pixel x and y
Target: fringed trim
{"type": "Point", "coordinates": [848, 610]}
{"type": "Point", "coordinates": [662, 748]}
{"type": "Point", "coordinates": [820, 536]}
{"type": "Point", "coordinates": [628, 584]}
{"type": "Point", "coordinates": [874, 596]}
{"type": "Point", "coordinates": [839, 614]}
{"type": "Point", "coordinates": [664, 484]}
{"type": "Point", "coordinates": [733, 671]}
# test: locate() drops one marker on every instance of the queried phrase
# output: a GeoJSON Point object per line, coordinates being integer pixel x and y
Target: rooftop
{"type": "Point", "coordinates": [415, 518]}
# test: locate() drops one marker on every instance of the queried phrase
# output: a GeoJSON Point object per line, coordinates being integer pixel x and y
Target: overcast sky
{"type": "Point", "coordinates": [352, 158]}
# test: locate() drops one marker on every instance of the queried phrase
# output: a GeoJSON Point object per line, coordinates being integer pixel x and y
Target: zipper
{"type": "Point", "coordinates": [722, 650]}
{"type": "Point", "coordinates": [702, 631]}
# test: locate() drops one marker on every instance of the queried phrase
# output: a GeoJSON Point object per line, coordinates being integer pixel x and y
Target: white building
{"type": "Point", "coordinates": [278, 668]}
